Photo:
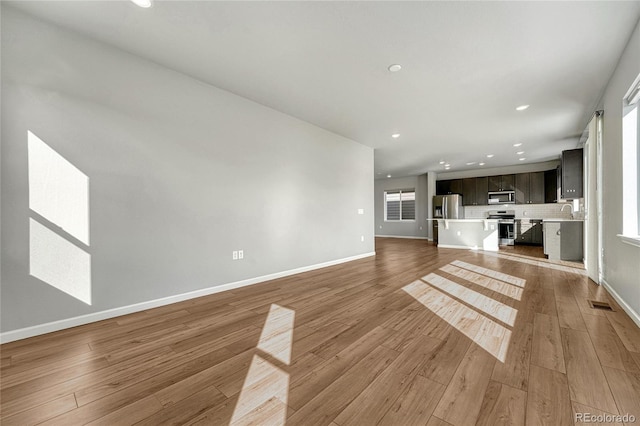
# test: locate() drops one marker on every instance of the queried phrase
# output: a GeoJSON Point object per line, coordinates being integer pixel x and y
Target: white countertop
{"type": "Point", "coordinates": [468, 220]}
{"type": "Point", "coordinates": [519, 218]}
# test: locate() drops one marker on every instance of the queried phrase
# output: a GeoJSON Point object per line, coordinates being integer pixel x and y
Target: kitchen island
{"type": "Point", "coordinates": [564, 239]}
{"type": "Point", "coordinates": [475, 234]}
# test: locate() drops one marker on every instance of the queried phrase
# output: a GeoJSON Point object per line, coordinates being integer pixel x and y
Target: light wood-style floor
{"type": "Point", "coordinates": [483, 339]}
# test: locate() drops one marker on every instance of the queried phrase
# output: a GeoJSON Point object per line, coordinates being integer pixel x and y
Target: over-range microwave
{"type": "Point", "coordinates": [502, 197]}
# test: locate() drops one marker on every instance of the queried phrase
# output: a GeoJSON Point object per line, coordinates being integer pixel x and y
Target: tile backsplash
{"type": "Point", "coordinates": [524, 211]}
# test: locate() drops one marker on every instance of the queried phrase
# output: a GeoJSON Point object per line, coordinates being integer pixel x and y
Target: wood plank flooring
{"type": "Point", "coordinates": [413, 336]}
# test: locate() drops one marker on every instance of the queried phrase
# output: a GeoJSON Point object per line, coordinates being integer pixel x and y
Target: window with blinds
{"type": "Point", "coordinates": [400, 204]}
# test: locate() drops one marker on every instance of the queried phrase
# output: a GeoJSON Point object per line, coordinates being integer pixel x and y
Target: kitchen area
{"type": "Point", "coordinates": [538, 209]}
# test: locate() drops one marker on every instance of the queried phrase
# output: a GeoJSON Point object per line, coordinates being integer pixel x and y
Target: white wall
{"type": "Point", "coordinates": [414, 229]}
{"type": "Point", "coordinates": [180, 174]}
{"type": "Point", "coordinates": [621, 266]}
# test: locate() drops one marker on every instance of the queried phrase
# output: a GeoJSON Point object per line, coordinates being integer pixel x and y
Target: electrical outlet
{"type": "Point", "coordinates": [360, 211]}
{"type": "Point", "coordinates": [362, 238]}
{"type": "Point", "coordinates": [459, 233]}
{"type": "Point", "coordinates": [421, 228]}
{"type": "Point", "coordinates": [240, 254]}
{"type": "Point", "coordinates": [235, 255]}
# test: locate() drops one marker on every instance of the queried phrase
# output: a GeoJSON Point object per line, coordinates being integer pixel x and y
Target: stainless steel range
{"type": "Point", "coordinates": [506, 225]}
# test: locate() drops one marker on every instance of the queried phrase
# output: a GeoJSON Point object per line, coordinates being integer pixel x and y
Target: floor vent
{"type": "Point", "coordinates": [596, 304]}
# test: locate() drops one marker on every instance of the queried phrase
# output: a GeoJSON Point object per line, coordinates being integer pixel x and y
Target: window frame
{"type": "Point", "coordinates": [400, 191]}
{"type": "Point", "coordinates": [631, 225]}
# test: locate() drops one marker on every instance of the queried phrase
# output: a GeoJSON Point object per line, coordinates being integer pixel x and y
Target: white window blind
{"type": "Point", "coordinates": [400, 204]}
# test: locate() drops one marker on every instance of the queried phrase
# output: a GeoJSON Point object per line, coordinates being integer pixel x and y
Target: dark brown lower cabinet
{"type": "Point", "coordinates": [528, 231]}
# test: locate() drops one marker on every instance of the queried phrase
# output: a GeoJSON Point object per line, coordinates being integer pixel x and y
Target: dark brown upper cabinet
{"type": "Point", "coordinates": [522, 188]}
{"type": "Point", "coordinates": [450, 186]}
{"type": "Point", "coordinates": [474, 191]}
{"type": "Point", "coordinates": [443, 187]}
{"type": "Point", "coordinates": [536, 188]}
{"type": "Point", "coordinates": [529, 188]}
{"type": "Point", "coordinates": [551, 186]}
{"type": "Point", "coordinates": [572, 174]}
{"type": "Point", "coordinates": [501, 183]}
{"type": "Point", "coordinates": [456, 186]}
{"type": "Point", "coordinates": [482, 189]}
{"type": "Point", "coordinates": [469, 192]}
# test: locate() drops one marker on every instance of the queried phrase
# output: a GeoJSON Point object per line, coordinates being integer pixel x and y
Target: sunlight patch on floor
{"type": "Point", "coordinates": [489, 283]}
{"type": "Point", "coordinates": [265, 390]}
{"type": "Point", "coordinates": [490, 273]}
{"type": "Point", "coordinates": [543, 263]}
{"type": "Point", "coordinates": [486, 305]}
{"type": "Point", "coordinates": [264, 395]}
{"type": "Point", "coordinates": [488, 334]}
{"type": "Point", "coordinates": [277, 334]}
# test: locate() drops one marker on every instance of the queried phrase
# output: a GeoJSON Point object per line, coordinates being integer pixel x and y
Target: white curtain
{"type": "Point", "coordinates": [593, 207]}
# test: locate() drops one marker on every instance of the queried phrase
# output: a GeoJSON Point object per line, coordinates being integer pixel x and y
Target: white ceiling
{"type": "Point", "coordinates": [466, 66]}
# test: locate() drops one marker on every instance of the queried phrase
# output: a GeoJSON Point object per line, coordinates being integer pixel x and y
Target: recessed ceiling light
{"type": "Point", "coordinates": [395, 135]}
{"type": "Point", "coordinates": [388, 176]}
{"type": "Point", "coordinates": [142, 3]}
{"type": "Point", "coordinates": [442, 162]}
{"type": "Point", "coordinates": [522, 159]}
{"type": "Point", "coordinates": [520, 152]}
{"type": "Point", "coordinates": [480, 164]}
{"type": "Point", "coordinates": [489, 155]}
{"type": "Point", "coordinates": [522, 107]}
{"type": "Point", "coordinates": [471, 163]}
{"type": "Point", "coordinates": [447, 165]}
{"type": "Point", "coordinates": [395, 67]}
{"type": "Point", "coordinates": [517, 144]}
{"type": "Point", "coordinates": [447, 168]}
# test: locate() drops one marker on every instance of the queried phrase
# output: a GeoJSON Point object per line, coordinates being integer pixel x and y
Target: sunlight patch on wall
{"type": "Point", "coordinates": [59, 263]}
{"type": "Point", "coordinates": [264, 395]}
{"type": "Point", "coordinates": [58, 191]}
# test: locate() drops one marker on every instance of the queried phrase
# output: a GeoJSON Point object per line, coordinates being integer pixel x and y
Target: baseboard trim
{"type": "Point", "coordinates": [403, 236]}
{"type": "Point", "coordinates": [635, 316]}
{"type": "Point", "coordinates": [453, 246]}
{"type": "Point", "coordinates": [36, 330]}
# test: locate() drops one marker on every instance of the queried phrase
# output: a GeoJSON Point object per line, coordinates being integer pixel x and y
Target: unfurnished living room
{"type": "Point", "coordinates": [320, 213]}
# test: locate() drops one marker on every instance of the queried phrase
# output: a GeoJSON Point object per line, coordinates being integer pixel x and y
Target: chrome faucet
{"type": "Point", "coordinates": [567, 205]}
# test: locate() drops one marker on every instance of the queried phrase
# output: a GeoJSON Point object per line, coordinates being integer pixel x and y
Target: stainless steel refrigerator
{"type": "Point", "coordinates": [446, 207]}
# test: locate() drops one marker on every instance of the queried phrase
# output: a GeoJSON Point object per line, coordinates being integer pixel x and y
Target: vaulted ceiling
{"type": "Point", "coordinates": [466, 66]}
